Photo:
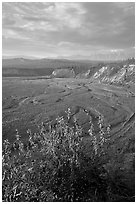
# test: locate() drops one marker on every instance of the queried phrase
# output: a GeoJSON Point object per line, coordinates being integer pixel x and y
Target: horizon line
{"type": "Point", "coordinates": [61, 58]}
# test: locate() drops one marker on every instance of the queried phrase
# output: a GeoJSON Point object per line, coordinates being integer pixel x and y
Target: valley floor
{"type": "Point", "coordinates": [29, 102]}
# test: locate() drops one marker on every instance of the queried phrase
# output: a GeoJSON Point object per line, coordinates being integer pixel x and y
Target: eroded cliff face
{"type": "Point", "coordinates": [85, 74]}
{"type": "Point", "coordinates": [122, 74]}
{"type": "Point", "coordinates": [63, 73]}
{"type": "Point", "coordinates": [106, 74]}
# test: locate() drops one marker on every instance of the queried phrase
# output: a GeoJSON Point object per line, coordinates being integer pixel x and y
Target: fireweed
{"type": "Point", "coordinates": [33, 171]}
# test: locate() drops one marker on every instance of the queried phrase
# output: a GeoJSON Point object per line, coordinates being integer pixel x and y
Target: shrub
{"type": "Point", "coordinates": [51, 166]}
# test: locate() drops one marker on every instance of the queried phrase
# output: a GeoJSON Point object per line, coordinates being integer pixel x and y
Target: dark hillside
{"type": "Point", "coordinates": [40, 67]}
{"type": "Point", "coordinates": [22, 63]}
{"type": "Point", "coordinates": [15, 72]}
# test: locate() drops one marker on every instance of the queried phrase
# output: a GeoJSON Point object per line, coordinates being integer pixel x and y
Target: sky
{"type": "Point", "coordinates": [71, 30]}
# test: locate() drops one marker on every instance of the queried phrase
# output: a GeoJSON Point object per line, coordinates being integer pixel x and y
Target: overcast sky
{"type": "Point", "coordinates": [69, 30]}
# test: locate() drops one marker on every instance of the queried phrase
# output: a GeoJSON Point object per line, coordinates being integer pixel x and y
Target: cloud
{"type": "Point", "coordinates": [77, 29]}
{"type": "Point", "coordinates": [127, 8]}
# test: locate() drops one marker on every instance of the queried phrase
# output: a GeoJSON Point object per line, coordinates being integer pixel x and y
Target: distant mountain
{"type": "Point", "coordinates": [40, 63]}
{"type": "Point", "coordinates": [21, 56]}
{"type": "Point", "coordinates": [29, 67]}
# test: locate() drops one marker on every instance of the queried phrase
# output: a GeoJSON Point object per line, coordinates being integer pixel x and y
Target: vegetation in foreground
{"type": "Point", "coordinates": [51, 166]}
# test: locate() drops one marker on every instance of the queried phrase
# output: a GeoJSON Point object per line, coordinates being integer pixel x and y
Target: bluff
{"type": "Point", "coordinates": [63, 73]}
